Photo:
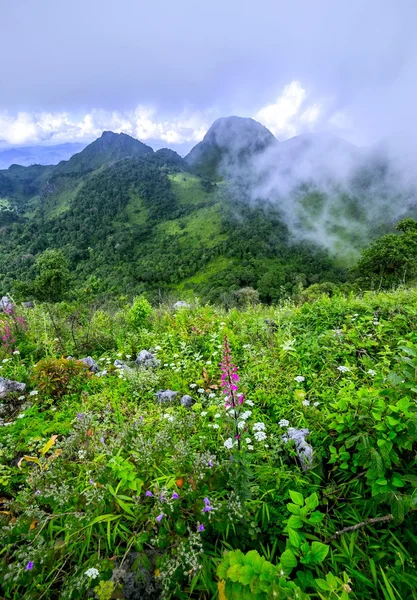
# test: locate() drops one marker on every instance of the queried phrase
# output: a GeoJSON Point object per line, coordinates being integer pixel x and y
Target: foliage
{"type": "Point", "coordinates": [139, 312]}
{"type": "Point", "coordinates": [55, 377]}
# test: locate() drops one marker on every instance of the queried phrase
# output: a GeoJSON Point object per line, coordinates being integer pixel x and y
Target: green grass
{"type": "Point", "coordinates": [188, 190]}
{"type": "Point", "coordinates": [136, 212]}
{"type": "Point", "coordinates": [202, 227]}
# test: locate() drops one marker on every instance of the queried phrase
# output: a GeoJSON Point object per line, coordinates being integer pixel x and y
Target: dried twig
{"type": "Point", "coordinates": [359, 525]}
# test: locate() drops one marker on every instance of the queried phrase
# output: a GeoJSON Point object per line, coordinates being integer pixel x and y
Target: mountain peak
{"type": "Point", "coordinates": [108, 148]}
{"type": "Point", "coordinates": [230, 140]}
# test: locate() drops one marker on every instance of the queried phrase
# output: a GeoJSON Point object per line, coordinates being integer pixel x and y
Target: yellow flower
{"type": "Point", "coordinates": [157, 573]}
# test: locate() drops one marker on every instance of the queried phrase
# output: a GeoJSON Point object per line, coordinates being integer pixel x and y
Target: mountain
{"type": "Point", "coordinates": [241, 210]}
{"type": "Point", "coordinates": [108, 148]}
{"type": "Point", "coordinates": [39, 155]}
{"type": "Point", "coordinates": [230, 143]}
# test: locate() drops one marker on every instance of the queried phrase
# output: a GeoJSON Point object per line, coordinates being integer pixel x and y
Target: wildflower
{"type": "Point", "coordinates": [148, 494]}
{"type": "Point", "coordinates": [21, 416]}
{"type": "Point", "coordinates": [245, 415]}
{"type": "Point", "coordinates": [259, 427]}
{"type": "Point", "coordinates": [5, 360]}
{"type": "Point", "coordinates": [217, 416]}
{"type": "Point", "coordinates": [33, 393]}
{"type": "Point", "coordinates": [316, 403]}
{"type": "Point", "coordinates": [21, 398]}
{"type": "Point", "coordinates": [201, 527]}
{"type": "Point", "coordinates": [207, 505]}
{"type": "Point", "coordinates": [92, 572]}
{"type": "Point", "coordinates": [356, 315]}
{"type": "Point", "coordinates": [283, 423]}
{"type": "Point", "coordinates": [299, 379]}
{"type": "Point", "coordinates": [193, 385]}
{"type": "Point", "coordinates": [119, 354]}
{"type": "Point", "coordinates": [128, 356]}
{"type": "Point", "coordinates": [30, 565]}
{"type": "Point", "coordinates": [175, 496]}
{"type": "Point", "coordinates": [228, 443]}
{"type": "Point", "coordinates": [158, 348]}
{"type": "Point", "coordinates": [16, 352]}
{"type": "Point", "coordinates": [343, 369]}
{"type": "Point", "coordinates": [211, 395]}
{"type": "Point", "coordinates": [241, 424]}
{"type": "Point", "coordinates": [200, 391]}
{"type": "Point", "coordinates": [306, 403]}
{"type": "Point", "coordinates": [92, 482]}
{"type": "Point", "coordinates": [210, 463]}
{"type": "Point", "coordinates": [102, 441]}
{"type": "Point", "coordinates": [160, 517]}
{"type": "Point", "coordinates": [203, 414]}
{"type": "Point", "coordinates": [81, 454]}
{"type": "Point", "coordinates": [37, 493]}
{"type": "Point", "coordinates": [260, 436]}
{"type": "Point", "coordinates": [249, 403]}
{"type": "Point", "coordinates": [166, 365]}
{"type": "Point", "coordinates": [248, 441]}
{"type": "Point", "coordinates": [371, 372]}
{"type": "Point", "coordinates": [250, 447]}
{"type": "Point", "coordinates": [215, 426]}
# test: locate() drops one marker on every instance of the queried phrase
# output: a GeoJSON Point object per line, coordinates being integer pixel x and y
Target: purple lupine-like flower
{"type": "Point", "coordinates": [206, 501]}
{"type": "Point", "coordinates": [210, 463]}
{"type": "Point", "coordinates": [37, 493]}
{"type": "Point", "coordinates": [207, 508]}
{"type": "Point", "coordinates": [162, 497]}
{"type": "Point", "coordinates": [102, 441]}
{"type": "Point", "coordinates": [148, 494]}
{"type": "Point", "coordinates": [201, 527]}
{"type": "Point", "coordinates": [80, 415]}
{"type": "Point", "coordinates": [160, 517]}
{"type": "Point", "coordinates": [30, 565]}
{"type": "Point", "coordinates": [92, 482]}
{"type": "Point", "coordinates": [175, 496]}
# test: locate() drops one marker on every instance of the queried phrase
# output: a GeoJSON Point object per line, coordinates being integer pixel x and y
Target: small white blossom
{"type": "Point", "coordinates": [248, 441]}
{"type": "Point", "coordinates": [260, 436]}
{"type": "Point", "coordinates": [306, 402]}
{"type": "Point", "coordinates": [166, 365]}
{"type": "Point", "coordinates": [371, 372]}
{"type": "Point", "coordinates": [228, 443]}
{"type": "Point", "coordinates": [250, 447]}
{"type": "Point", "coordinates": [21, 416]}
{"type": "Point", "coordinates": [16, 352]}
{"type": "Point", "coordinates": [128, 356]}
{"type": "Point", "coordinates": [33, 393]}
{"type": "Point", "coordinates": [193, 385]}
{"type": "Point", "coordinates": [375, 322]}
{"type": "Point", "coordinates": [246, 415]}
{"type": "Point", "coordinates": [215, 425]}
{"type": "Point", "coordinates": [203, 414]}
{"type": "Point", "coordinates": [158, 348]}
{"type": "Point", "coordinates": [283, 423]}
{"type": "Point", "coordinates": [168, 417]}
{"type": "Point", "coordinates": [299, 379]}
{"type": "Point", "coordinates": [241, 424]}
{"type": "Point", "coordinates": [249, 402]}
{"type": "Point", "coordinates": [92, 572]}
{"type": "Point", "coordinates": [316, 403]}
{"type": "Point", "coordinates": [212, 395]}
{"type": "Point", "coordinates": [259, 427]}
{"type": "Point", "coordinates": [200, 391]}
{"type": "Point", "coordinates": [81, 454]}
{"type": "Point", "coordinates": [119, 354]}
{"type": "Point", "coordinates": [5, 360]}
{"type": "Point", "coordinates": [21, 398]}
{"type": "Point", "coordinates": [343, 369]}
{"type": "Point", "coordinates": [217, 416]}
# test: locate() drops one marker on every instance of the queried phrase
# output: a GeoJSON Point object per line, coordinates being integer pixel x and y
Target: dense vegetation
{"type": "Point", "coordinates": [107, 492]}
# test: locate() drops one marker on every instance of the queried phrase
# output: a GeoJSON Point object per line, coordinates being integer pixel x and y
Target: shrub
{"type": "Point", "coordinates": [55, 377]}
{"type": "Point", "coordinates": [139, 312]}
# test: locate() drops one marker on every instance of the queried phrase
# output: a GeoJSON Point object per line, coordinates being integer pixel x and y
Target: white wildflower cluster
{"type": "Point", "coordinates": [212, 395]}
{"type": "Point", "coordinates": [283, 423]}
{"type": "Point", "coordinates": [371, 372]}
{"type": "Point", "coordinates": [299, 379]}
{"type": "Point", "coordinates": [343, 369]}
{"type": "Point", "coordinates": [259, 432]}
{"type": "Point", "coordinates": [168, 417]}
{"type": "Point", "coordinates": [193, 385]}
{"type": "Point", "coordinates": [249, 403]}
{"type": "Point", "coordinates": [229, 443]}
{"type": "Point", "coordinates": [82, 454]}
{"type": "Point", "coordinates": [234, 507]}
{"type": "Point", "coordinates": [16, 352]}
{"type": "Point", "coordinates": [187, 559]}
{"type": "Point", "coordinates": [204, 413]}
{"type": "Point", "coordinates": [33, 393]}
{"type": "Point", "coordinates": [92, 572]}
{"type": "Point", "coordinates": [200, 391]}
{"type": "Point", "coordinates": [306, 402]}
{"type": "Point", "coordinates": [245, 415]}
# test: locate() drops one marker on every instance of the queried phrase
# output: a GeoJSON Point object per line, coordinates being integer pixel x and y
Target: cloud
{"type": "Point", "coordinates": [142, 123]}
{"type": "Point", "coordinates": [295, 111]}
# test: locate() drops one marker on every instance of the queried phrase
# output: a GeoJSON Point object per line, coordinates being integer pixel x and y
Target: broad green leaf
{"type": "Point", "coordinates": [323, 585]}
{"type": "Point", "coordinates": [312, 501]}
{"type": "Point", "coordinates": [246, 574]}
{"type": "Point", "coordinates": [295, 538]}
{"type": "Point", "coordinates": [319, 552]}
{"type": "Point", "coordinates": [295, 522]}
{"type": "Point", "coordinates": [297, 498]}
{"type": "Point", "coordinates": [288, 560]}
{"type": "Point", "coordinates": [293, 508]}
{"type": "Point", "coordinates": [233, 572]}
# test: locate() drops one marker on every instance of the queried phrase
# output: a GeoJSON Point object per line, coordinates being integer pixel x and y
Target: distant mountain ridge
{"type": "Point", "coordinates": [39, 155]}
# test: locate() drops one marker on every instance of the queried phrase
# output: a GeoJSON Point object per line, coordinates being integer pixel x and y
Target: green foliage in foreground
{"type": "Point", "coordinates": [107, 494]}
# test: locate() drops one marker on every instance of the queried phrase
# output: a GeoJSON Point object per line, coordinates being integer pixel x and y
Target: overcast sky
{"type": "Point", "coordinates": [163, 70]}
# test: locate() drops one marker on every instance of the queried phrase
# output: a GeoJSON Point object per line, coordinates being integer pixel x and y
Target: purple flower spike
{"type": "Point", "coordinates": [102, 441]}
{"type": "Point", "coordinates": [206, 501]}
{"type": "Point", "coordinates": [80, 416]}
{"type": "Point", "coordinates": [210, 463]}
{"type": "Point", "coordinates": [30, 565]}
{"type": "Point", "coordinates": [207, 508]}
{"type": "Point", "coordinates": [201, 527]}
{"type": "Point", "coordinates": [37, 493]}
{"type": "Point", "coordinates": [175, 496]}
{"type": "Point", "coordinates": [148, 494]}
{"type": "Point", "coordinates": [160, 517]}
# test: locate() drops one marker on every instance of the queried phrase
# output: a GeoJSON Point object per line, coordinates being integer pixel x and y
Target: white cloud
{"type": "Point", "coordinates": [292, 113]}
{"type": "Point", "coordinates": [143, 123]}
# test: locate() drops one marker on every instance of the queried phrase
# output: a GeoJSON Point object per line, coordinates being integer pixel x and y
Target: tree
{"type": "Point", "coordinates": [390, 260]}
{"type": "Point", "coordinates": [53, 279]}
